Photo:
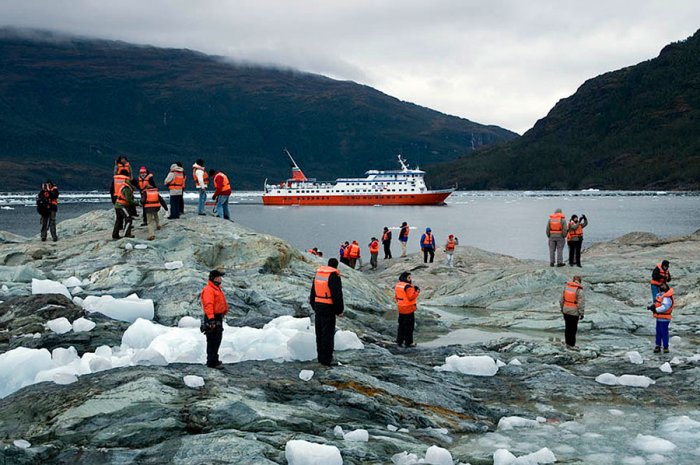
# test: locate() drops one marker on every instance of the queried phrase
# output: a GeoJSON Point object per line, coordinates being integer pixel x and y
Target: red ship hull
{"type": "Point", "coordinates": [428, 198]}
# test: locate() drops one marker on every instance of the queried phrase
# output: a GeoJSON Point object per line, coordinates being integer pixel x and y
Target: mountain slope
{"type": "Point", "coordinates": [68, 106]}
{"type": "Point", "coordinates": [635, 128]}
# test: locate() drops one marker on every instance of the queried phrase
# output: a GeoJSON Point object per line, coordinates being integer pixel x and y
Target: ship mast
{"type": "Point", "coordinates": [404, 166]}
{"type": "Point", "coordinates": [290, 157]}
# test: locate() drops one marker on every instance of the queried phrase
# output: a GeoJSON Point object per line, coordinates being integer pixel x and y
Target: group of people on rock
{"type": "Point", "coordinates": [560, 231]}
{"type": "Point", "coordinates": [123, 187]}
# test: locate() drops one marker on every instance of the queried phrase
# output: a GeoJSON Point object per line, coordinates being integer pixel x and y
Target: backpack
{"type": "Point", "coordinates": [43, 203]}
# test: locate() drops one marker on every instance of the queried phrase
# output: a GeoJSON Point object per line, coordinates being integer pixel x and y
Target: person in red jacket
{"type": "Point", "coordinates": [222, 192]}
{"type": "Point", "coordinates": [373, 252]}
{"type": "Point", "coordinates": [214, 306]}
{"type": "Point", "coordinates": [406, 295]}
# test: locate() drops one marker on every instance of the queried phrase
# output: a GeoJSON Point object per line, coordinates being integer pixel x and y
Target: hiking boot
{"type": "Point", "coordinates": [560, 264]}
{"type": "Point", "coordinates": [666, 350]}
{"type": "Point", "coordinates": [150, 238]}
{"type": "Point", "coordinates": [657, 349]}
{"type": "Point", "coordinates": [551, 264]}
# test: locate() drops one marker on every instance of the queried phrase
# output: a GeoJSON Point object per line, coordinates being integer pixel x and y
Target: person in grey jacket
{"type": "Point", "coordinates": [556, 234]}
{"type": "Point", "coordinates": [176, 185]}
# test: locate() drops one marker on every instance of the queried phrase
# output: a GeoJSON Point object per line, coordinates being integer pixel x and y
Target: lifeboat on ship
{"type": "Point", "coordinates": [405, 186]}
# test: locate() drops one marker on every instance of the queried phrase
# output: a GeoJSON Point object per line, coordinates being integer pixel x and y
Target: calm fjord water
{"type": "Point", "coordinates": [510, 223]}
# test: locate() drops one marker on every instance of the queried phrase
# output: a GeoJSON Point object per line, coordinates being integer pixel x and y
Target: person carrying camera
{"type": "Point", "coordinates": [406, 295]}
{"type": "Point", "coordinates": [572, 304]}
{"type": "Point", "coordinates": [214, 306]}
{"type": "Point", "coordinates": [574, 238]}
{"type": "Point", "coordinates": [47, 206]}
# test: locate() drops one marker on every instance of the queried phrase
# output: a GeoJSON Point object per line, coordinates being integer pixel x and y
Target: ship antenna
{"type": "Point", "coordinates": [294, 164]}
{"type": "Point", "coordinates": [404, 166]}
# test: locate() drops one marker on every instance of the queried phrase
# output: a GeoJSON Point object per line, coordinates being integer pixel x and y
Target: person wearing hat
{"type": "Point", "coordinates": [450, 245]}
{"type": "Point", "coordinates": [572, 304]}
{"type": "Point", "coordinates": [406, 295]}
{"type": "Point", "coordinates": [144, 182]}
{"type": "Point", "coordinates": [373, 252]}
{"type": "Point", "coordinates": [403, 237]}
{"type": "Point", "coordinates": [326, 300]}
{"type": "Point", "coordinates": [214, 306]}
{"type": "Point", "coordinates": [386, 242]}
{"type": "Point", "coordinates": [47, 207]}
{"type": "Point", "coordinates": [660, 275]}
{"type": "Point", "coordinates": [124, 208]}
{"type": "Point", "coordinates": [427, 245]}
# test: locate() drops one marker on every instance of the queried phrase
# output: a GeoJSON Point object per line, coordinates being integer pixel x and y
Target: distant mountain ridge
{"type": "Point", "coordinates": [634, 128]}
{"type": "Point", "coordinates": [69, 105]}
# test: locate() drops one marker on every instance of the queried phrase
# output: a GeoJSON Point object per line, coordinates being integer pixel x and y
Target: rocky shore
{"type": "Point", "coordinates": [406, 399]}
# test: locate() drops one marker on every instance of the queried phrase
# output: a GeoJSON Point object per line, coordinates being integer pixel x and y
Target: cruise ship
{"type": "Point", "coordinates": [396, 187]}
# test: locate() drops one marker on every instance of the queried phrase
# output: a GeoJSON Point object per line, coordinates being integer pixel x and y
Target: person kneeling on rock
{"type": "Point", "coordinates": [326, 300]}
{"type": "Point", "coordinates": [571, 304]}
{"type": "Point", "coordinates": [214, 306]}
{"type": "Point", "coordinates": [406, 297]}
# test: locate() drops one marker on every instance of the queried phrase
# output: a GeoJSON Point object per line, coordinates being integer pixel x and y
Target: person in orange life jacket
{"type": "Point", "coordinates": [353, 254]}
{"type": "Point", "coordinates": [215, 307]}
{"type": "Point", "coordinates": [406, 295]}
{"type": "Point", "coordinates": [659, 276]}
{"type": "Point", "coordinates": [427, 245]}
{"type": "Point", "coordinates": [47, 207]}
{"type": "Point", "coordinates": [403, 237]}
{"type": "Point", "coordinates": [118, 181]}
{"type": "Point", "coordinates": [386, 242]}
{"type": "Point", "coordinates": [222, 192]}
{"type": "Point", "coordinates": [574, 238]}
{"type": "Point", "coordinates": [184, 183]}
{"type": "Point", "coordinates": [450, 245]}
{"type": "Point", "coordinates": [151, 201]}
{"type": "Point", "coordinates": [125, 209]}
{"type": "Point", "coordinates": [122, 164]}
{"type": "Point", "coordinates": [144, 181]}
{"type": "Point", "coordinates": [556, 233]}
{"type": "Point", "coordinates": [201, 182]}
{"type": "Point", "coordinates": [661, 309]}
{"type": "Point", "coordinates": [343, 253]}
{"type": "Point", "coordinates": [373, 253]}
{"type": "Point", "coordinates": [326, 299]}
{"type": "Point", "coordinates": [315, 252]}
{"type": "Point", "coordinates": [572, 304]}
{"type": "Point", "coordinates": [176, 185]}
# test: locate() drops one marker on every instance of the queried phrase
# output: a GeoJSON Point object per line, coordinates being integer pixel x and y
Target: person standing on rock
{"type": "Point", "coordinates": [122, 164]}
{"type": "Point", "coordinates": [660, 275]}
{"type": "Point", "coordinates": [343, 253]}
{"type": "Point", "coordinates": [326, 300]}
{"type": "Point", "coordinates": [386, 242]}
{"type": "Point", "coordinates": [427, 245]}
{"type": "Point", "coordinates": [222, 192]}
{"type": "Point", "coordinates": [201, 182]}
{"type": "Point", "coordinates": [574, 238]}
{"type": "Point", "coordinates": [403, 237]}
{"type": "Point", "coordinates": [144, 181]}
{"type": "Point", "coordinates": [572, 304]}
{"type": "Point", "coordinates": [373, 252]}
{"type": "Point", "coordinates": [214, 306]}
{"type": "Point", "coordinates": [123, 207]}
{"type": "Point", "coordinates": [556, 232]}
{"type": "Point", "coordinates": [662, 309]}
{"type": "Point", "coordinates": [176, 184]}
{"type": "Point", "coordinates": [151, 202]}
{"type": "Point", "coordinates": [353, 254]}
{"type": "Point", "coordinates": [47, 207]}
{"type": "Point", "coordinates": [406, 295]}
{"type": "Point", "coordinates": [450, 246]}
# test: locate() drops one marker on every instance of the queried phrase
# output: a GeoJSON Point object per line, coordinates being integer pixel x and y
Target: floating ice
{"type": "Point", "coordinates": [188, 322]}
{"type": "Point", "coordinates": [128, 309]}
{"type": "Point", "coordinates": [59, 325]}
{"type": "Point", "coordinates": [193, 381]}
{"type": "Point", "coordinates": [306, 375]}
{"type": "Point", "coordinates": [22, 444]}
{"type": "Point", "coordinates": [358, 435]}
{"type": "Point", "coordinates": [481, 365]}
{"type": "Point", "coordinates": [504, 457]}
{"type": "Point", "coordinates": [299, 452]}
{"type": "Point", "coordinates": [509, 423]}
{"type": "Point", "coordinates": [652, 444]}
{"type": "Point", "coordinates": [625, 380]}
{"type": "Point", "coordinates": [72, 282]}
{"type": "Point", "coordinates": [634, 357]}
{"type": "Point", "coordinates": [438, 456]}
{"type": "Point", "coordinates": [46, 286]}
{"type": "Point", "coordinates": [19, 367]}
{"type": "Point", "coordinates": [174, 265]}
{"type": "Point", "coordinates": [83, 325]}
{"type": "Point", "coordinates": [666, 368]}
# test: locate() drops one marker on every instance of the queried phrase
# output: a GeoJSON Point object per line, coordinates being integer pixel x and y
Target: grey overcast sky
{"type": "Point", "coordinates": [503, 62]}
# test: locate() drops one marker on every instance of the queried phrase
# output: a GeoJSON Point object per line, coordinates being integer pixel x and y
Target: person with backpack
{"type": "Point", "coordinates": [47, 207]}
{"type": "Point", "coordinates": [151, 201]}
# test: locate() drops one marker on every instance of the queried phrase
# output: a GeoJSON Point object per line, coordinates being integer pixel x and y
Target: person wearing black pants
{"type": "Point", "coordinates": [326, 299]}
{"type": "Point", "coordinates": [574, 238]}
{"type": "Point", "coordinates": [571, 304]}
{"type": "Point", "coordinates": [406, 295]}
{"type": "Point", "coordinates": [215, 307]}
{"type": "Point", "coordinates": [386, 242]}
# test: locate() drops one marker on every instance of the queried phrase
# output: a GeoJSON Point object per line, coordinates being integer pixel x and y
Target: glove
{"type": "Point", "coordinates": [580, 317]}
{"type": "Point", "coordinates": [211, 325]}
{"type": "Point", "coordinates": [652, 308]}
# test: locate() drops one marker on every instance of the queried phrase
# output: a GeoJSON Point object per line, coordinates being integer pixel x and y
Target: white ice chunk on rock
{"type": "Point", "coordinates": [607, 378]}
{"type": "Point", "coordinates": [193, 381]}
{"type": "Point", "coordinates": [652, 444]}
{"type": "Point", "coordinates": [634, 357]}
{"type": "Point", "coordinates": [359, 435]}
{"type": "Point", "coordinates": [22, 444]}
{"type": "Point", "coordinates": [306, 375]}
{"type": "Point", "coordinates": [141, 246]}
{"type": "Point", "coordinates": [174, 265]}
{"type": "Point", "coordinates": [302, 346]}
{"type": "Point", "coordinates": [509, 423]}
{"type": "Point", "coordinates": [347, 340]}
{"type": "Point", "coordinates": [128, 309]}
{"type": "Point", "coordinates": [46, 286]}
{"type": "Point", "coordinates": [481, 365]}
{"type": "Point", "coordinates": [515, 362]}
{"type": "Point", "coordinates": [83, 325]}
{"type": "Point", "coordinates": [299, 452]}
{"type": "Point", "coordinates": [64, 378]}
{"type": "Point", "coordinates": [62, 356]}
{"type": "Point", "coordinates": [188, 322]}
{"type": "Point", "coordinates": [504, 457]}
{"type": "Point", "coordinates": [392, 428]}
{"type": "Point", "coordinates": [59, 325]}
{"type": "Point", "coordinates": [438, 456]}
{"type": "Point", "coordinates": [100, 364]}
{"type": "Point", "coordinates": [149, 357]}
{"type": "Point", "coordinates": [666, 368]}
{"type": "Point", "coordinates": [77, 290]}
{"type": "Point", "coordinates": [72, 282]}
{"type": "Point", "coordinates": [141, 333]}
{"type": "Point", "coordinates": [338, 431]}
{"type": "Point", "coordinates": [78, 301]}
{"type": "Point", "coordinates": [625, 380]}
{"type": "Point", "coordinates": [128, 246]}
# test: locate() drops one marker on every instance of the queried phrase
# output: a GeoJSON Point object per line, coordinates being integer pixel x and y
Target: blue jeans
{"type": "Point", "coordinates": [662, 332]}
{"type": "Point", "coordinates": [202, 200]}
{"type": "Point", "coordinates": [222, 206]}
{"type": "Point", "coordinates": [654, 291]}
